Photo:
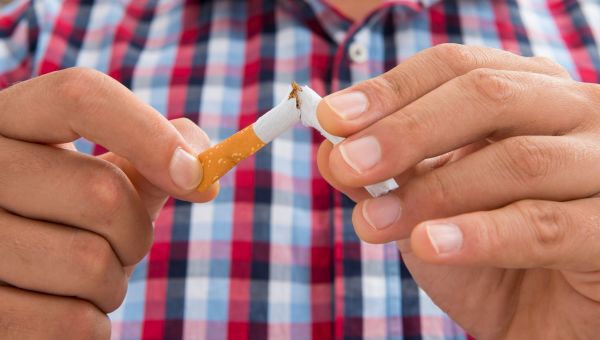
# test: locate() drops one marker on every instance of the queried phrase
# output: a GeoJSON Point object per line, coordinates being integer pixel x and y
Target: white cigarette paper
{"type": "Point", "coordinates": [285, 115]}
{"type": "Point", "coordinates": [299, 105]}
{"type": "Point", "coordinates": [277, 120]}
{"type": "Point", "coordinates": [309, 100]}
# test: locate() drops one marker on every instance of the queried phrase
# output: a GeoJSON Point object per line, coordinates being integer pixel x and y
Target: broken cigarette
{"type": "Point", "coordinates": [220, 158]}
{"type": "Point", "coordinates": [299, 105]}
{"type": "Point", "coordinates": [309, 100]}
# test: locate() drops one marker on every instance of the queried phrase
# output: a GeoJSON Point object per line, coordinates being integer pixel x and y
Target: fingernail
{"type": "Point", "coordinates": [185, 170]}
{"type": "Point", "coordinates": [361, 154]}
{"type": "Point", "coordinates": [382, 212]}
{"type": "Point", "coordinates": [348, 105]}
{"type": "Point", "coordinates": [445, 238]}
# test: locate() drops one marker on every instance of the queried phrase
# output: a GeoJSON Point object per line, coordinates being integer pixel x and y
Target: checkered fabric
{"type": "Point", "coordinates": [275, 255]}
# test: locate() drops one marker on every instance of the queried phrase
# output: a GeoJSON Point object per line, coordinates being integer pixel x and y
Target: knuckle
{"type": "Point", "coordinates": [545, 61]}
{"type": "Point", "coordinates": [188, 129]}
{"type": "Point", "coordinates": [84, 321]}
{"type": "Point", "coordinates": [547, 223]}
{"type": "Point", "coordinates": [184, 123]}
{"type": "Point", "coordinates": [458, 58]}
{"type": "Point", "coordinates": [416, 126]}
{"type": "Point", "coordinates": [117, 295]}
{"type": "Point", "coordinates": [527, 161]}
{"type": "Point", "coordinates": [491, 86]}
{"type": "Point", "coordinates": [78, 85]}
{"type": "Point", "coordinates": [99, 270]}
{"type": "Point", "coordinates": [585, 99]}
{"type": "Point", "coordinates": [93, 257]}
{"type": "Point", "coordinates": [395, 82]}
{"type": "Point", "coordinates": [380, 89]}
{"type": "Point", "coordinates": [552, 67]}
{"type": "Point", "coordinates": [108, 188]}
{"type": "Point", "coordinates": [438, 189]}
{"type": "Point", "coordinates": [490, 235]}
{"type": "Point", "coordinates": [591, 92]}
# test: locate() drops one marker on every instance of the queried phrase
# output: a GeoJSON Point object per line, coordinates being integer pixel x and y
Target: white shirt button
{"type": "Point", "coordinates": [357, 52]}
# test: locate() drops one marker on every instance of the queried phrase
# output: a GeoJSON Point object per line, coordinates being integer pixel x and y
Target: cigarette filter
{"type": "Point", "coordinates": [219, 159]}
{"type": "Point", "coordinates": [222, 157]}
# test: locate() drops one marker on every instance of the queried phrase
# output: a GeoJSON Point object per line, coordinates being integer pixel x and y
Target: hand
{"type": "Point", "coordinates": [497, 157]}
{"type": "Point", "coordinates": [72, 226]}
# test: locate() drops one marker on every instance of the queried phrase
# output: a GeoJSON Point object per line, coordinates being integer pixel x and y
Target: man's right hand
{"type": "Point", "coordinates": [72, 226]}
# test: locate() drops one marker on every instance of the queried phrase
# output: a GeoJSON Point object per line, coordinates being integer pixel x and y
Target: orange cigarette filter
{"type": "Point", "coordinates": [219, 159]}
{"type": "Point", "coordinates": [300, 105]}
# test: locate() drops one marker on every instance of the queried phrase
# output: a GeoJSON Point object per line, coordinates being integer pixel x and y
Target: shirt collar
{"type": "Point", "coordinates": [421, 3]}
{"type": "Point", "coordinates": [428, 3]}
{"type": "Point", "coordinates": [336, 24]}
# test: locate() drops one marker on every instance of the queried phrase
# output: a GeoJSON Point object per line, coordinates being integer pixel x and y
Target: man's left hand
{"type": "Point", "coordinates": [498, 161]}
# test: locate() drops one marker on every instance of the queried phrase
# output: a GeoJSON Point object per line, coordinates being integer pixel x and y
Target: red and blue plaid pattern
{"type": "Point", "coordinates": [275, 255]}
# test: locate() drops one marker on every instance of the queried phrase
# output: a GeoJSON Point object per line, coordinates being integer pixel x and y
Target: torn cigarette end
{"type": "Point", "coordinates": [296, 89]}
{"type": "Point", "coordinates": [219, 159]}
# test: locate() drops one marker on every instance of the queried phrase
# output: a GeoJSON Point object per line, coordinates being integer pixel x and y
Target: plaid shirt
{"type": "Point", "coordinates": [275, 255]}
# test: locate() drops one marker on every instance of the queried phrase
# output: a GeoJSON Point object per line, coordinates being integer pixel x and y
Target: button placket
{"type": "Point", "coordinates": [357, 52]}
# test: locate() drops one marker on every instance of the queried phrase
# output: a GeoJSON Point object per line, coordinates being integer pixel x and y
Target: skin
{"type": "Point", "coordinates": [355, 10]}
{"type": "Point", "coordinates": [72, 226]}
{"type": "Point", "coordinates": [506, 149]}
{"type": "Point", "coordinates": [528, 265]}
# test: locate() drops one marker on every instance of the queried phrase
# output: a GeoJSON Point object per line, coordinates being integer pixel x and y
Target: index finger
{"type": "Point", "coordinates": [62, 106]}
{"type": "Point", "coordinates": [350, 110]}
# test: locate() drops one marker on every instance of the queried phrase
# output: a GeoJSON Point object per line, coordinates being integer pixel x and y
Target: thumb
{"type": "Point", "coordinates": [182, 171]}
{"type": "Point", "coordinates": [62, 106]}
{"type": "Point", "coordinates": [525, 234]}
{"type": "Point", "coordinates": [352, 109]}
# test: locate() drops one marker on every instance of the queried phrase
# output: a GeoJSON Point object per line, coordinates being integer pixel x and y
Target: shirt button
{"type": "Point", "coordinates": [357, 52]}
